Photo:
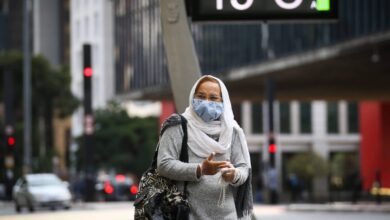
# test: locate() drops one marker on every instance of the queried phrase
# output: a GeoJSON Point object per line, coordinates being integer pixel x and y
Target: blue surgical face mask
{"type": "Point", "coordinates": [207, 110]}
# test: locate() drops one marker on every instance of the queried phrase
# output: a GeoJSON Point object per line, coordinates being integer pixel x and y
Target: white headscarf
{"type": "Point", "coordinates": [198, 140]}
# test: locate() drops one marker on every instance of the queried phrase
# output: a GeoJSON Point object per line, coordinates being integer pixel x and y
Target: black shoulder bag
{"type": "Point", "coordinates": [159, 197]}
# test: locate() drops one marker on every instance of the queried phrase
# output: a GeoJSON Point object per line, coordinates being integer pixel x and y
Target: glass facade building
{"type": "Point", "coordinates": [141, 62]}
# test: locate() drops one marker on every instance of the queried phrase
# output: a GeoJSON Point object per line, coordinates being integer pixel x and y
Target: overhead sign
{"type": "Point", "coordinates": [232, 10]}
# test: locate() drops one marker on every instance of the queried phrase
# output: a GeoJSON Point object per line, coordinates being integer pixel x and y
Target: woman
{"type": "Point", "coordinates": [218, 171]}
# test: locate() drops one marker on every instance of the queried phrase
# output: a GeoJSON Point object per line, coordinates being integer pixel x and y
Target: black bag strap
{"type": "Point", "coordinates": [184, 148]}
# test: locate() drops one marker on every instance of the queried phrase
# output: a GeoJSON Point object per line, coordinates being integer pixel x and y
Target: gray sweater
{"type": "Point", "coordinates": [203, 192]}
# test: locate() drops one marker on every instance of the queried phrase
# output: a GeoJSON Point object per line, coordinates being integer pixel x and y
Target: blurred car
{"type": "Point", "coordinates": [41, 190]}
{"type": "Point", "coordinates": [117, 188]}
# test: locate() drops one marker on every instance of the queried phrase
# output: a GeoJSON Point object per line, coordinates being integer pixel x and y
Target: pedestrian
{"type": "Point", "coordinates": [294, 186]}
{"type": "Point", "coordinates": [356, 186]}
{"type": "Point", "coordinates": [272, 176]}
{"type": "Point", "coordinates": [377, 185]}
{"type": "Point", "coordinates": [218, 169]}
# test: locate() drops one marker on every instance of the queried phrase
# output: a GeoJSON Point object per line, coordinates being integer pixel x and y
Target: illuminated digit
{"type": "Point", "coordinates": [240, 6]}
{"type": "Point", "coordinates": [288, 5]}
{"type": "Point", "coordinates": [219, 4]}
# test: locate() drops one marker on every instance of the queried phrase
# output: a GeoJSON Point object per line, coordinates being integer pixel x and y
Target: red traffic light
{"type": "Point", "coordinates": [272, 148]}
{"type": "Point", "coordinates": [11, 141]}
{"type": "Point", "coordinates": [88, 72]}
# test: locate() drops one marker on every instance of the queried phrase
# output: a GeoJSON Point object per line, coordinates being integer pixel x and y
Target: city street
{"type": "Point", "coordinates": [124, 210]}
{"type": "Point", "coordinates": [279, 101]}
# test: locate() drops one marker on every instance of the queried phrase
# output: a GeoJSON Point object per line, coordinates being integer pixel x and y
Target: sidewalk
{"type": "Point", "coordinates": [264, 209]}
{"type": "Point", "coordinates": [340, 207]}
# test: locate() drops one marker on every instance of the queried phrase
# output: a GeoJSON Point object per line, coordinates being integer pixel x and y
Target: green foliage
{"type": "Point", "coordinates": [337, 166]}
{"type": "Point", "coordinates": [343, 167]}
{"type": "Point", "coordinates": [48, 84]}
{"type": "Point", "coordinates": [122, 143]}
{"type": "Point", "coordinates": [50, 94]}
{"type": "Point", "coordinates": [63, 99]}
{"type": "Point", "coordinates": [52, 85]}
{"type": "Point", "coordinates": [307, 166]}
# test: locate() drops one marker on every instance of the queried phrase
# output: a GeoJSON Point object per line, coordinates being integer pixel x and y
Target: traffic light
{"type": "Point", "coordinates": [88, 72]}
{"type": "Point", "coordinates": [272, 151]}
{"type": "Point", "coordinates": [11, 142]}
{"type": "Point", "coordinates": [87, 75]}
{"type": "Point", "coordinates": [9, 159]}
{"type": "Point", "coordinates": [272, 148]}
{"type": "Point", "coordinates": [87, 64]}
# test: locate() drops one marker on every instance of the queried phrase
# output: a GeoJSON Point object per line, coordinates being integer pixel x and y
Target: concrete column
{"type": "Point", "coordinates": [320, 146]}
{"type": "Point", "coordinates": [183, 64]}
{"type": "Point", "coordinates": [108, 39]}
{"type": "Point", "coordinates": [295, 126]}
{"type": "Point", "coordinates": [343, 117]}
{"type": "Point", "coordinates": [246, 114]}
{"type": "Point", "coordinates": [46, 25]}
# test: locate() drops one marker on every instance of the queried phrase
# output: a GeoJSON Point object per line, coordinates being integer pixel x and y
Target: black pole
{"type": "Point", "coordinates": [27, 87]}
{"type": "Point", "coordinates": [270, 90]}
{"type": "Point", "coordinates": [9, 140]}
{"type": "Point", "coordinates": [272, 174]}
{"type": "Point", "coordinates": [88, 124]}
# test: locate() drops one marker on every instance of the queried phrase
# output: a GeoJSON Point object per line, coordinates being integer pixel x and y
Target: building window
{"type": "Point", "coordinates": [257, 118]}
{"type": "Point", "coordinates": [353, 118]}
{"type": "Point", "coordinates": [237, 112]}
{"type": "Point", "coordinates": [305, 117]}
{"type": "Point", "coordinates": [332, 118]}
{"type": "Point", "coordinates": [285, 118]}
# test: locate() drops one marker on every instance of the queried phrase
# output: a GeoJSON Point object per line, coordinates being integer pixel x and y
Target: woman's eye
{"type": "Point", "coordinates": [214, 98]}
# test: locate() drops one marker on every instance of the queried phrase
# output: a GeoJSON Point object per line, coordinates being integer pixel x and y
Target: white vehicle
{"type": "Point", "coordinates": [41, 190]}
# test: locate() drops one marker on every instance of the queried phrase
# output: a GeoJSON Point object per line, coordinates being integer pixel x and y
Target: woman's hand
{"type": "Point", "coordinates": [211, 167]}
{"type": "Point", "coordinates": [229, 173]}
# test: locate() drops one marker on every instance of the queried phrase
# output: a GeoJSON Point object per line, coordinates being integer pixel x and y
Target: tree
{"type": "Point", "coordinates": [51, 97]}
{"type": "Point", "coordinates": [307, 166]}
{"type": "Point", "coordinates": [344, 171]}
{"type": "Point", "coordinates": [122, 143]}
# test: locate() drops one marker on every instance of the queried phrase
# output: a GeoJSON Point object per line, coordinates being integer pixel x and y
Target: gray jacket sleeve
{"type": "Point", "coordinates": [237, 159]}
{"type": "Point", "coordinates": [168, 163]}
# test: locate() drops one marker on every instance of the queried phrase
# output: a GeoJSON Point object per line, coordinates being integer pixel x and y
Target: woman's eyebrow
{"type": "Point", "coordinates": [214, 94]}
